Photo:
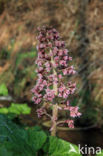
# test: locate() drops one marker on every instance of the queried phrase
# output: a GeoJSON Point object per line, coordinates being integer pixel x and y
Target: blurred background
{"type": "Point", "coordinates": [80, 23]}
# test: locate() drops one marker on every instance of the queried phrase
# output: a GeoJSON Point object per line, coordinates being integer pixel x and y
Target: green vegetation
{"type": "Point", "coordinates": [100, 154]}
{"type": "Point", "coordinates": [59, 147]}
{"type": "Point", "coordinates": [3, 90]}
{"type": "Point", "coordinates": [16, 109]}
{"type": "Point", "coordinates": [18, 141]}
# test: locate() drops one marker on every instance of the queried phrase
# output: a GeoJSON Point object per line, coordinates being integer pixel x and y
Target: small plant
{"type": "Point", "coordinates": [53, 89]}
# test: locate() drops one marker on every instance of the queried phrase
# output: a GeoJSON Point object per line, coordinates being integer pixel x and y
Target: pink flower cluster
{"type": "Point", "coordinates": [74, 110]}
{"type": "Point", "coordinates": [50, 94]}
{"type": "Point", "coordinates": [70, 123]}
{"type": "Point", "coordinates": [52, 67]}
{"type": "Point", "coordinates": [40, 112]}
{"type": "Point", "coordinates": [69, 70]}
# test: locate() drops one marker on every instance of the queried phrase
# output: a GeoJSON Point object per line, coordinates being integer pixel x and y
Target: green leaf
{"type": "Point", "coordinates": [101, 154]}
{"type": "Point", "coordinates": [3, 90]}
{"type": "Point", "coordinates": [6, 128]}
{"type": "Point", "coordinates": [19, 109]}
{"type": "Point", "coordinates": [4, 151]}
{"type": "Point", "coordinates": [46, 146]}
{"type": "Point", "coordinates": [14, 138]}
{"type": "Point", "coordinates": [4, 110]}
{"type": "Point", "coordinates": [37, 128]}
{"type": "Point", "coordinates": [16, 109]}
{"type": "Point", "coordinates": [36, 139]}
{"type": "Point", "coordinates": [19, 141]}
{"type": "Point", "coordinates": [59, 147]}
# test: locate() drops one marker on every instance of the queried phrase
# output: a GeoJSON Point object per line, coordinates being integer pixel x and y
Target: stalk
{"type": "Point", "coordinates": [54, 122]}
{"type": "Point", "coordinates": [55, 106]}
